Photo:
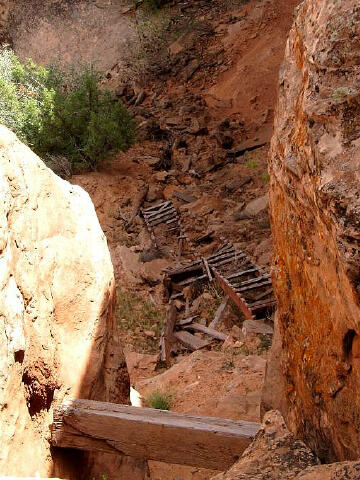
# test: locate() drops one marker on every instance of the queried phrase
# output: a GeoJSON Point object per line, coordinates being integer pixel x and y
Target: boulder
{"type": "Point", "coordinates": [274, 454]}
{"type": "Point", "coordinates": [253, 208]}
{"type": "Point", "coordinates": [58, 337]}
{"type": "Point", "coordinates": [315, 208]}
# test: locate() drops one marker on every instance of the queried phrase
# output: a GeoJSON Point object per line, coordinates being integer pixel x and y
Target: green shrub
{"type": "Point", "coordinates": [159, 399]}
{"type": "Point", "coordinates": [60, 112]}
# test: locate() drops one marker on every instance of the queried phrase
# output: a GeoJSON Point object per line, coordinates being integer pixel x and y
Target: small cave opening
{"type": "Point", "coordinates": [39, 392]}
{"type": "Point", "coordinates": [19, 356]}
{"type": "Point", "coordinates": [348, 343]}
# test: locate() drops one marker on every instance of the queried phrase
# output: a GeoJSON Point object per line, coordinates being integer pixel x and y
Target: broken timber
{"type": "Point", "coordinates": [167, 338]}
{"type": "Point", "coordinates": [219, 312]}
{"type": "Point", "coordinates": [190, 341]}
{"type": "Point", "coordinates": [197, 327]}
{"type": "Point", "coordinates": [164, 215]}
{"type": "Point", "coordinates": [245, 283]}
{"type": "Point", "coordinates": [151, 434]}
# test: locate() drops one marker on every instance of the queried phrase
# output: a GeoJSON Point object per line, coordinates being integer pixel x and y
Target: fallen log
{"type": "Point", "coordinates": [151, 434]}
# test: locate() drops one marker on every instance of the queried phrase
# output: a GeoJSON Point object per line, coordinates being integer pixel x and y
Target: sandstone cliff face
{"type": "Point", "coordinates": [57, 332]}
{"type": "Point", "coordinates": [315, 208]}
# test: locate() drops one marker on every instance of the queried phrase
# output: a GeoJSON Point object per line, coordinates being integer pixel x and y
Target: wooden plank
{"type": "Point", "coordinates": [164, 219]}
{"type": "Point", "coordinates": [172, 220]}
{"type": "Point", "coordinates": [186, 321]}
{"type": "Point", "coordinates": [240, 274]}
{"type": "Point", "coordinates": [191, 280]}
{"type": "Point", "coordinates": [264, 294]}
{"type": "Point", "coordinates": [232, 257]}
{"type": "Point", "coordinates": [253, 286]}
{"type": "Point", "coordinates": [184, 197]}
{"type": "Point", "coordinates": [219, 312]}
{"type": "Point", "coordinates": [252, 280]}
{"type": "Point", "coordinates": [167, 341]}
{"type": "Point", "coordinates": [151, 434]}
{"type": "Point", "coordinates": [185, 269]}
{"type": "Point", "coordinates": [150, 216]}
{"type": "Point", "coordinates": [156, 207]}
{"type": "Point", "coordinates": [217, 258]}
{"type": "Point", "coordinates": [209, 331]}
{"type": "Point", "coordinates": [176, 295]}
{"type": "Point", "coordinates": [236, 298]}
{"type": "Point", "coordinates": [225, 247]}
{"type": "Point", "coordinates": [262, 304]}
{"type": "Point", "coordinates": [207, 269]}
{"type": "Point", "coordinates": [190, 341]}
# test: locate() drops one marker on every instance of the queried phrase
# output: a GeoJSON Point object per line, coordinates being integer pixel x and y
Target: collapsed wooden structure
{"type": "Point", "coordinates": [162, 219]}
{"type": "Point", "coordinates": [248, 286]}
{"type": "Point", "coordinates": [200, 441]}
{"type": "Point", "coordinates": [243, 282]}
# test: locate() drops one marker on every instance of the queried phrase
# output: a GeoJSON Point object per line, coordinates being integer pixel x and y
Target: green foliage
{"type": "Point", "coordinates": [251, 163]}
{"type": "Point", "coordinates": [266, 177]}
{"type": "Point", "coordinates": [62, 112]}
{"type": "Point", "coordinates": [159, 399]}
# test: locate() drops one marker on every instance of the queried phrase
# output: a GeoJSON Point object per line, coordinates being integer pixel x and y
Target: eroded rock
{"type": "Point", "coordinates": [315, 207]}
{"type": "Point", "coordinates": [335, 471]}
{"type": "Point", "coordinates": [58, 338]}
{"type": "Point", "coordinates": [274, 454]}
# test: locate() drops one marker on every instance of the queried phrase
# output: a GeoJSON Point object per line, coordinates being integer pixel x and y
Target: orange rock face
{"type": "Point", "coordinates": [315, 209]}
{"type": "Point", "coordinates": [58, 337]}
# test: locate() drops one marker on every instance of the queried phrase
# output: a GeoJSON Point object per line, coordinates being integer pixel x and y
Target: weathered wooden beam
{"type": "Point", "coordinates": [209, 331]}
{"type": "Point", "coordinates": [252, 280]}
{"type": "Point", "coordinates": [186, 321]}
{"type": "Point", "coordinates": [244, 272]}
{"type": "Point", "coordinates": [264, 294]}
{"type": "Point", "coordinates": [156, 213]}
{"type": "Point", "coordinates": [235, 297]}
{"type": "Point", "coordinates": [219, 312]}
{"type": "Point", "coordinates": [217, 258]}
{"type": "Point", "coordinates": [190, 341]}
{"type": "Point", "coordinates": [168, 340]}
{"type": "Point", "coordinates": [163, 219]}
{"type": "Point", "coordinates": [157, 207]}
{"type": "Point", "coordinates": [151, 434]}
{"type": "Point", "coordinates": [191, 280]}
{"type": "Point", "coordinates": [150, 217]}
{"type": "Point", "coordinates": [207, 269]}
{"type": "Point", "coordinates": [271, 302]}
{"type": "Point", "coordinates": [184, 197]}
{"type": "Point", "coordinates": [253, 286]}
